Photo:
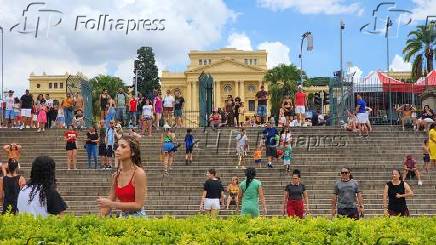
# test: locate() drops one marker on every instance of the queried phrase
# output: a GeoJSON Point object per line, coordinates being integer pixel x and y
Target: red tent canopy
{"type": "Point", "coordinates": [429, 80]}
{"type": "Point", "coordinates": [393, 85]}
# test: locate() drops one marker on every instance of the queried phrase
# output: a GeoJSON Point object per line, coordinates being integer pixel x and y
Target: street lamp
{"type": "Point", "coordinates": [309, 37]}
{"type": "Point", "coordinates": [388, 24]}
{"type": "Point", "coordinates": [1, 29]}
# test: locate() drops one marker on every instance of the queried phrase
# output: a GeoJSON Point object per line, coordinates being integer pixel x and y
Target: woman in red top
{"type": "Point", "coordinates": [129, 183]}
{"type": "Point", "coordinates": [71, 137]}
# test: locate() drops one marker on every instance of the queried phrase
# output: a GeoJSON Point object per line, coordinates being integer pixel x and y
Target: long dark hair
{"type": "Point", "coordinates": [134, 148]}
{"type": "Point", "coordinates": [250, 173]}
{"type": "Point", "coordinates": [42, 178]}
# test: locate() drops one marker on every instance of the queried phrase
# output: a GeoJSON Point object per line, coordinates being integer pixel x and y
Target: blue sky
{"type": "Point", "coordinates": [274, 25]}
{"type": "Point", "coordinates": [366, 51]}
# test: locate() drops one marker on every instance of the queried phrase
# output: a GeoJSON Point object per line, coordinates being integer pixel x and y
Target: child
{"type": "Point", "coordinates": [241, 146]}
{"type": "Point", "coordinates": [410, 166]}
{"type": "Point", "coordinates": [60, 119]}
{"type": "Point", "coordinates": [42, 116]}
{"type": "Point", "coordinates": [233, 190]}
{"type": "Point", "coordinates": [189, 144]}
{"type": "Point", "coordinates": [17, 113]}
{"type": "Point", "coordinates": [78, 120]}
{"type": "Point", "coordinates": [426, 158]}
{"type": "Point", "coordinates": [282, 118]}
{"type": "Point", "coordinates": [110, 141]}
{"type": "Point", "coordinates": [258, 156]}
{"type": "Point", "coordinates": [287, 156]}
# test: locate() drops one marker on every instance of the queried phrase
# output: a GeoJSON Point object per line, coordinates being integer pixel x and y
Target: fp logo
{"type": "Point", "coordinates": [36, 17]}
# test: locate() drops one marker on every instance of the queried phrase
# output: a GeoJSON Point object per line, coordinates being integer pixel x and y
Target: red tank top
{"type": "Point", "coordinates": [127, 192]}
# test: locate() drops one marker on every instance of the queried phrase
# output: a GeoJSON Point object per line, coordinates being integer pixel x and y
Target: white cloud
{"type": "Point", "coordinates": [423, 8]}
{"type": "Point", "coordinates": [278, 53]}
{"type": "Point", "coordinates": [398, 64]}
{"type": "Point", "coordinates": [100, 52]}
{"type": "Point", "coordinates": [329, 7]}
{"type": "Point", "coordinates": [239, 41]}
{"type": "Point", "coordinates": [356, 72]}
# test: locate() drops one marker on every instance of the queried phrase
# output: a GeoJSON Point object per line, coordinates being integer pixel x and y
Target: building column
{"type": "Point", "coordinates": [242, 91]}
{"type": "Point", "coordinates": [189, 95]}
{"type": "Point", "coordinates": [218, 94]}
{"type": "Point", "coordinates": [195, 95]}
{"type": "Point", "coordinates": [237, 89]}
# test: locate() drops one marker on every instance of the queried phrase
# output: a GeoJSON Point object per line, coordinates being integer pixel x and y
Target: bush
{"type": "Point", "coordinates": [203, 230]}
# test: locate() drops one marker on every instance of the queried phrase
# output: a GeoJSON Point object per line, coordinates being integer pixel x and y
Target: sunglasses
{"type": "Point", "coordinates": [345, 172]}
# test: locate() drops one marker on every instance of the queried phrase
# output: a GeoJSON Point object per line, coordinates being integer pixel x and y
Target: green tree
{"type": "Point", "coordinates": [421, 44]}
{"type": "Point", "coordinates": [148, 78]}
{"type": "Point", "coordinates": [100, 82]}
{"type": "Point", "coordinates": [282, 80]}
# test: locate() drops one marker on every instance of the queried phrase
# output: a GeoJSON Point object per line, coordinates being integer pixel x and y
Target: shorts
{"type": "Point", "coordinates": [9, 114]}
{"type": "Point", "coordinates": [271, 151]}
{"type": "Point", "coordinates": [102, 150]}
{"type": "Point", "coordinates": [178, 113]}
{"type": "Point", "coordinates": [60, 120]}
{"type": "Point", "coordinates": [240, 149]}
{"type": "Point", "coordinates": [212, 203]}
{"type": "Point", "coordinates": [167, 146]}
{"type": "Point", "coordinates": [71, 146]}
{"type": "Point", "coordinates": [26, 113]}
{"type": "Point", "coordinates": [426, 157]}
{"type": "Point", "coordinates": [428, 120]}
{"type": "Point", "coordinates": [362, 117]}
{"type": "Point", "coordinates": [286, 162]}
{"type": "Point", "coordinates": [168, 109]}
{"type": "Point", "coordinates": [262, 110]}
{"type": "Point", "coordinates": [352, 213]}
{"type": "Point", "coordinates": [404, 212]}
{"type": "Point", "coordinates": [258, 161]}
{"type": "Point", "coordinates": [189, 150]}
{"type": "Point", "coordinates": [109, 151]}
{"type": "Point", "coordinates": [148, 118]}
{"type": "Point", "coordinates": [300, 109]}
{"type": "Point", "coordinates": [295, 208]}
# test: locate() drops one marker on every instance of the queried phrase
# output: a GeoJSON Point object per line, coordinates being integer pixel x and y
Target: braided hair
{"type": "Point", "coordinates": [42, 178]}
{"type": "Point", "coordinates": [250, 173]}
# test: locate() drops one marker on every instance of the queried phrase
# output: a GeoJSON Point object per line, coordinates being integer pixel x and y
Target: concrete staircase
{"type": "Point", "coordinates": [319, 153]}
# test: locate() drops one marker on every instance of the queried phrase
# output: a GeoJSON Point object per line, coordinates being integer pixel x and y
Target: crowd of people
{"type": "Point", "coordinates": [41, 112]}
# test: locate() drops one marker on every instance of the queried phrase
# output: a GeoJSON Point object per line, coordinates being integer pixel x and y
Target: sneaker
{"type": "Point", "coordinates": [21, 127]}
{"type": "Point", "coordinates": [420, 182]}
{"type": "Point", "coordinates": [270, 165]}
{"type": "Point", "coordinates": [43, 129]}
{"type": "Point", "coordinates": [39, 130]}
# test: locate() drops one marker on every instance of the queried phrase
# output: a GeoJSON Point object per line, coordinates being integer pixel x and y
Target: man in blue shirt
{"type": "Point", "coordinates": [271, 142]}
{"type": "Point", "coordinates": [110, 140]}
{"type": "Point", "coordinates": [362, 115]}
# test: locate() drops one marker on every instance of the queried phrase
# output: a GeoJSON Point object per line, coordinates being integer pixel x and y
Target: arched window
{"type": "Point", "coordinates": [227, 88]}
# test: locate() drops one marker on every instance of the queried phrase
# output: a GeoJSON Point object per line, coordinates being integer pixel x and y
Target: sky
{"type": "Point", "coordinates": [63, 36]}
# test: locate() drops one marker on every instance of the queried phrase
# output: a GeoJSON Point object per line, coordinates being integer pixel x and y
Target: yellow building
{"type": "Point", "coordinates": [53, 85]}
{"type": "Point", "coordinates": [404, 76]}
{"type": "Point", "coordinates": [234, 72]}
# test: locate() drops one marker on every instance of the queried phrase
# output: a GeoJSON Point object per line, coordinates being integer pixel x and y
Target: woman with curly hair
{"type": "Point", "coordinates": [129, 183]}
{"type": "Point", "coordinates": [250, 191]}
{"type": "Point", "coordinates": [39, 196]}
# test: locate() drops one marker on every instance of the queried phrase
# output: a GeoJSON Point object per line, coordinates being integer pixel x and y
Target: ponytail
{"type": "Point", "coordinates": [250, 173]}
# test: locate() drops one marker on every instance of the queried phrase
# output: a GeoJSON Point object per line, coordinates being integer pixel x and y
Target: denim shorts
{"type": "Point", "coordinates": [262, 110]}
{"type": "Point", "coordinates": [178, 113]}
{"type": "Point", "coordinates": [9, 114]}
{"type": "Point", "coordinates": [139, 213]}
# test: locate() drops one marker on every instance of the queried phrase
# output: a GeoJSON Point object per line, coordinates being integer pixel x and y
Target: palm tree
{"type": "Point", "coordinates": [282, 80]}
{"type": "Point", "coordinates": [421, 43]}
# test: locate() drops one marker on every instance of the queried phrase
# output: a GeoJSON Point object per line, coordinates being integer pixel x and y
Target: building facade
{"type": "Point", "coordinates": [55, 86]}
{"type": "Point", "coordinates": [234, 72]}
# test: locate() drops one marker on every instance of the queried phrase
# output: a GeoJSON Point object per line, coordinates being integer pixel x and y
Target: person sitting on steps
{"type": "Point", "coordinates": [410, 167]}
{"type": "Point", "coordinates": [406, 117]}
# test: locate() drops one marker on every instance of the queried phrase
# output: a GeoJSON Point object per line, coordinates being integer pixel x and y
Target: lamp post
{"type": "Point", "coordinates": [342, 27]}
{"type": "Point", "coordinates": [309, 37]}
{"type": "Point", "coordinates": [2, 31]}
{"type": "Point", "coordinates": [388, 24]}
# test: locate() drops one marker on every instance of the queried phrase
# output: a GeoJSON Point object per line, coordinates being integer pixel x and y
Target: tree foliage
{"type": "Point", "coordinates": [282, 80]}
{"type": "Point", "coordinates": [100, 82]}
{"type": "Point", "coordinates": [148, 78]}
{"type": "Point", "coordinates": [421, 43]}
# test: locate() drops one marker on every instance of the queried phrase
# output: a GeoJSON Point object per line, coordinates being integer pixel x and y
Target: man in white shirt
{"type": "Point", "coordinates": [168, 106]}
{"type": "Point", "coordinates": [9, 112]}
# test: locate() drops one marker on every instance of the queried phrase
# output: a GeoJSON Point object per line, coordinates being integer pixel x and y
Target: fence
{"type": "Point", "coordinates": [384, 95]}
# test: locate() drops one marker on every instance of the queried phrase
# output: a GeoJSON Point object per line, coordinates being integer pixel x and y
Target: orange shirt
{"type": "Point", "coordinates": [257, 154]}
{"type": "Point", "coordinates": [14, 154]}
{"type": "Point", "coordinates": [68, 102]}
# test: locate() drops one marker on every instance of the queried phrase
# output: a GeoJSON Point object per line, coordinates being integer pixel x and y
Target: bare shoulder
{"type": "Point", "coordinates": [139, 172]}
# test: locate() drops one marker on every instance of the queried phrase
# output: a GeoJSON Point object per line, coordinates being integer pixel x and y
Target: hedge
{"type": "Point", "coordinates": [204, 230]}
